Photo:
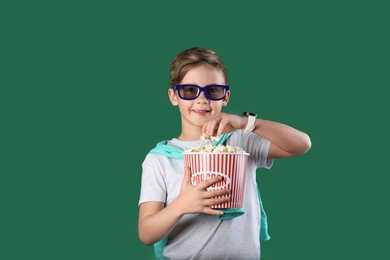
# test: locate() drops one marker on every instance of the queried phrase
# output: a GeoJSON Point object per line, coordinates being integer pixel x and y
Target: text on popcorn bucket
{"type": "Point", "coordinates": [201, 176]}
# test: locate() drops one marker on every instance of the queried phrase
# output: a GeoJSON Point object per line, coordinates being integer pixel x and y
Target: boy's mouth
{"type": "Point", "coordinates": [200, 111]}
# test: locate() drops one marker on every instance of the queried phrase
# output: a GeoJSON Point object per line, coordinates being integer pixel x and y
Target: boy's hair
{"type": "Point", "coordinates": [191, 58]}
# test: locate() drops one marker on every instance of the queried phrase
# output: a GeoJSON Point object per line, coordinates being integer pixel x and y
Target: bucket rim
{"type": "Point", "coordinates": [247, 154]}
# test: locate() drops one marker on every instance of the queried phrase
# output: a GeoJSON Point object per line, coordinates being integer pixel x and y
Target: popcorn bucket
{"type": "Point", "coordinates": [231, 166]}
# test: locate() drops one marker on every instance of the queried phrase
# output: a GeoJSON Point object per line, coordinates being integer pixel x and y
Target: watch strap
{"type": "Point", "coordinates": [251, 121]}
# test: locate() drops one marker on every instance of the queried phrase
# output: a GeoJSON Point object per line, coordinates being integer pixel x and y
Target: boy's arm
{"type": "Point", "coordinates": [286, 141]}
{"type": "Point", "coordinates": [156, 221]}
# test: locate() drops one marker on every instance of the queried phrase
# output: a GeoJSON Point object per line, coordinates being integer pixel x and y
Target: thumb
{"type": "Point", "coordinates": [187, 175]}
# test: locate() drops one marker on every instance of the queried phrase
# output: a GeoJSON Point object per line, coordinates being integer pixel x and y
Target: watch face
{"type": "Point", "coordinates": [249, 114]}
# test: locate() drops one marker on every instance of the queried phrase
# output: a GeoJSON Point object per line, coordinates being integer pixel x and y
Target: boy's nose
{"type": "Point", "coordinates": [202, 98]}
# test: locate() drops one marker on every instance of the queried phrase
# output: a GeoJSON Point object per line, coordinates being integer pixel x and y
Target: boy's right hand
{"type": "Point", "coordinates": [196, 199]}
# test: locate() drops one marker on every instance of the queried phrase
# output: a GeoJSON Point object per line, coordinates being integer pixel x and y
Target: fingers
{"type": "Point", "coordinates": [215, 193]}
{"type": "Point", "coordinates": [221, 127]}
{"type": "Point", "coordinates": [202, 197]}
{"type": "Point", "coordinates": [211, 211]}
{"type": "Point", "coordinates": [208, 182]}
{"type": "Point", "coordinates": [203, 185]}
{"type": "Point", "coordinates": [219, 124]}
{"type": "Point", "coordinates": [215, 201]}
{"type": "Point", "coordinates": [211, 127]}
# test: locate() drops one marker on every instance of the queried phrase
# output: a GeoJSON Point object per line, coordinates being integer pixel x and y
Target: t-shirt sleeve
{"type": "Point", "coordinates": [257, 146]}
{"type": "Point", "coordinates": [153, 186]}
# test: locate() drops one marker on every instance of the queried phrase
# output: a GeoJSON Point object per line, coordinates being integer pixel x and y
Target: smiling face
{"type": "Point", "coordinates": [194, 113]}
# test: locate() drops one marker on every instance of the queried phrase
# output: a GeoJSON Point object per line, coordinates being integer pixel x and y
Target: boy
{"type": "Point", "coordinates": [178, 213]}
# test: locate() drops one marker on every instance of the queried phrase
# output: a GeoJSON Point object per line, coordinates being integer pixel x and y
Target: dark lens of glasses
{"type": "Point", "coordinates": [189, 92]}
{"type": "Point", "coordinates": [215, 92]}
{"type": "Point", "coordinates": [211, 92]}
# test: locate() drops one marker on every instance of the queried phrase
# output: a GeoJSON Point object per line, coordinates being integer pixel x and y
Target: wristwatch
{"type": "Point", "coordinates": [251, 121]}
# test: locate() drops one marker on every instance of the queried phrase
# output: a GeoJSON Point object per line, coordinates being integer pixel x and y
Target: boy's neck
{"type": "Point", "coordinates": [192, 136]}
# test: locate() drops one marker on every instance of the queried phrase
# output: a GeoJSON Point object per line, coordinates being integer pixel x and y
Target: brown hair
{"type": "Point", "coordinates": [191, 58]}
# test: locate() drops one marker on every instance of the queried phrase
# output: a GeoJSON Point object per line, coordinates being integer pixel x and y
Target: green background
{"type": "Point", "coordinates": [83, 98]}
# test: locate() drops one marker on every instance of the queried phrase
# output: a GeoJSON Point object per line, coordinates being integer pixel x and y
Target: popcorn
{"type": "Point", "coordinates": [212, 138]}
{"type": "Point", "coordinates": [209, 148]}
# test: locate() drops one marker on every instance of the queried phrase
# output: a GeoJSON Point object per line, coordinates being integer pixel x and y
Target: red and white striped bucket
{"type": "Point", "coordinates": [231, 166]}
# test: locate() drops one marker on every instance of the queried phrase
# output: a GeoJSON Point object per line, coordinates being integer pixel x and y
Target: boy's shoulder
{"type": "Point", "coordinates": [165, 149]}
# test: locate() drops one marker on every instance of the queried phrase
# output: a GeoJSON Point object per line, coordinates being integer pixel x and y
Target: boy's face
{"type": "Point", "coordinates": [194, 113]}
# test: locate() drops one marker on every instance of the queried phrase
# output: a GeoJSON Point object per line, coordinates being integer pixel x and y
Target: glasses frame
{"type": "Point", "coordinates": [201, 89]}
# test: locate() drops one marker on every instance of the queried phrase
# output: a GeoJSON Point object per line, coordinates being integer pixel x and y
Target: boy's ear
{"type": "Point", "coordinates": [173, 97]}
{"type": "Point", "coordinates": [226, 99]}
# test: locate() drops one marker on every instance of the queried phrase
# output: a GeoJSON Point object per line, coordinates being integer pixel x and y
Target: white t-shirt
{"type": "Point", "coordinates": [201, 236]}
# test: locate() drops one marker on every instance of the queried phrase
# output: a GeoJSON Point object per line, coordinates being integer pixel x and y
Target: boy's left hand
{"type": "Point", "coordinates": [223, 123]}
